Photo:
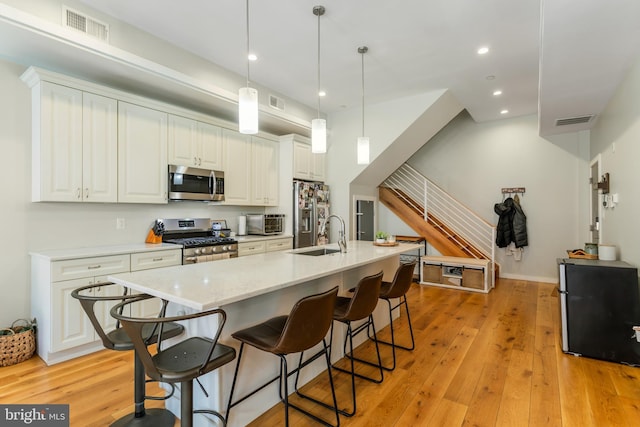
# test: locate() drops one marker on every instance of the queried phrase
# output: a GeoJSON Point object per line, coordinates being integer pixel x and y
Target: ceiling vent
{"type": "Point", "coordinates": [85, 24]}
{"type": "Point", "coordinates": [275, 102]}
{"type": "Point", "coordinates": [574, 120]}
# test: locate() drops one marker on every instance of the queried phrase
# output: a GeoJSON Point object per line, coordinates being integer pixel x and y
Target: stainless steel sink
{"type": "Point", "coordinates": [318, 252]}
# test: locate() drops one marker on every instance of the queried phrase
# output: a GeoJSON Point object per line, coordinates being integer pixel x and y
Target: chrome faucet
{"type": "Point", "coordinates": [342, 240]}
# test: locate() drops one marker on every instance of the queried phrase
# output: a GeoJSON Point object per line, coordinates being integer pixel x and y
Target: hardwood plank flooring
{"type": "Point", "coordinates": [480, 360]}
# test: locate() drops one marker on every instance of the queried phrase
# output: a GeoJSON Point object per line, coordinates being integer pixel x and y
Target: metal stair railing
{"type": "Point", "coordinates": [424, 196]}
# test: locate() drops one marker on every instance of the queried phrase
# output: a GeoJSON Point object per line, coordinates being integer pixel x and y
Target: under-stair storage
{"type": "Point", "coordinates": [454, 272]}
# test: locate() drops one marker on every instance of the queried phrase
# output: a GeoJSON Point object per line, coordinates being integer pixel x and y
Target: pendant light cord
{"type": "Point", "coordinates": [318, 94]}
{"type": "Point", "coordinates": [362, 51]}
{"type": "Point", "coordinates": [247, 57]}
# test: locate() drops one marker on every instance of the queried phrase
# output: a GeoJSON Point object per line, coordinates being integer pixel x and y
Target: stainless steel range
{"type": "Point", "coordinates": [199, 242]}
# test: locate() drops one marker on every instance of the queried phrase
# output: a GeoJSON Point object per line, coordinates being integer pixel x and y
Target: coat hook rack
{"type": "Point", "coordinates": [513, 190]}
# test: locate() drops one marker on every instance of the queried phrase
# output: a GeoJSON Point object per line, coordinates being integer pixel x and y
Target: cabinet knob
{"type": "Point", "coordinates": [86, 193]}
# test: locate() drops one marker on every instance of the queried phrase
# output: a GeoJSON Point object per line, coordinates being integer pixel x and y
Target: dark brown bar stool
{"type": "Point", "coordinates": [306, 325]}
{"type": "Point", "coordinates": [349, 310]}
{"type": "Point", "coordinates": [180, 362]}
{"type": "Point", "coordinates": [398, 288]}
{"type": "Point", "coordinates": [118, 340]}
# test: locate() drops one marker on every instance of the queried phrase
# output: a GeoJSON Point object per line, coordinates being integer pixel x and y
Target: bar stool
{"type": "Point", "coordinates": [397, 288]}
{"type": "Point", "coordinates": [349, 310]}
{"type": "Point", "coordinates": [181, 362]}
{"type": "Point", "coordinates": [306, 325]}
{"type": "Point", "coordinates": [118, 340]}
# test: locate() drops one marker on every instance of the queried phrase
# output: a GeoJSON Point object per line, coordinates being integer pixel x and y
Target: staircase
{"type": "Point", "coordinates": [449, 226]}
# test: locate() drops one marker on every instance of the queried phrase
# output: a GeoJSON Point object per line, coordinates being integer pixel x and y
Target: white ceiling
{"type": "Point", "coordinates": [561, 57]}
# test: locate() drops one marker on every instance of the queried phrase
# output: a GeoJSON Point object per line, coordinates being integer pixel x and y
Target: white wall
{"type": "Point", "coordinates": [27, 226]}
{"type": "Point", "coordinates": [616, 137]}
{"type": "Point", "coordinates": [473, 161]}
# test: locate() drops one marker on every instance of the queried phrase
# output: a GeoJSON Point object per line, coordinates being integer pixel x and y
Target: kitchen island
{"type": "Point", "coordinates": [251, 290]}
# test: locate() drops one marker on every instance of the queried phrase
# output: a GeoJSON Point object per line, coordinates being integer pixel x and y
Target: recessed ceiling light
{"type": "Point", "coordinates": [483, 50]}
{"type": "Point", "coordinates": [490, 77]}
{"type": "Point", "coordinates": [252, 57]}
{"type": "Point", "coordinates": [497, 92]}
{"type": "Point", "coordinates": [504, 111]}
{"type": "Point", "coordinates": [322, 93]}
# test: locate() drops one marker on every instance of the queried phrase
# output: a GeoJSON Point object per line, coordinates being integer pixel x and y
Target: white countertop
{"type": "Point", "coordinates": [214, 284]}
{"type": "Point", "coordinates": [94, 251]}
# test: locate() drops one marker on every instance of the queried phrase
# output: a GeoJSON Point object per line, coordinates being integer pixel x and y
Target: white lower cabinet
{"type": "Point", "coordinates": [279, 244]}
{"type": "Point", "coordinates": [251, 248]}
{"type": "Point", "coordinates": [64, 330]}
{"type": "Point", "coordinates": [262, 246]}
{"type": "Point", "coordinates": [70, 325]}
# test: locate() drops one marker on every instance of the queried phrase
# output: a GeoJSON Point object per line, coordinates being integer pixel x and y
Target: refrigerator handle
{"type": "Point", "coordinates": [563, 307]}
{"type": "Point", "coordinates": [314, 223]}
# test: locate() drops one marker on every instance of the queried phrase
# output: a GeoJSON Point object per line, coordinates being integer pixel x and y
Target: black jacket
{"type": "Point", "coordinates": [512, 224]}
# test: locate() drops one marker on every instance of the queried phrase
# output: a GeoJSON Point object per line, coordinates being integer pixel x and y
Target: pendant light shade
{"type": "Point", "coordinates": [318, 136]}
{"type": "Point", "coordinates": [363, 150]}
{"type": "Point", "coordinates": [248, 99]}
{"type": "Point", "coordinates": [248, 110]}
{"type": "Point", "coordinates": [362, 146]}
{"type": "Point", "coordinates": [318, 126]}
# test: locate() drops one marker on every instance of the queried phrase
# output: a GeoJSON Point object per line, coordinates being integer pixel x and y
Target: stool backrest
{"type": "Point", "coordinates": [308, 323]}
{"type": "Point", "coordinates": [136, 329]}
{"type": "Point", "coordinates": [402, 280]}
{"type": "Point", "coordinates": [365, 297]}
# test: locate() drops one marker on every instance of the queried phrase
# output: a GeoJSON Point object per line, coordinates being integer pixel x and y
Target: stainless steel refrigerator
{"type": "Point", "coordinates": [599, 306]}
{"type": "Point", "coordinates": [310, 208]}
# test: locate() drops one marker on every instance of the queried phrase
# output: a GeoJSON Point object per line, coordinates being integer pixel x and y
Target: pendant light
{"type": "Point", "coordinates": [318, 126]}
{"type": "Point", "coordinates": [363, 141]}
{"type": "Point", "coordinates": [248, 99]}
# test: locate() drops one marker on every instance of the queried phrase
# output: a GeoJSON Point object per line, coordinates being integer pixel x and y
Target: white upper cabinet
{"type": "Point", "coordinates": [194, 143]}
{"type": "Point", "coordinates": [99, 148]}
{"type": "Point", "coordinates": [307, 165]}
{"type": "Point", "coordinates": [237, 172]}
{"type": "Point", "coordinates": [74, 145]}
{"type": "Point", "coordinates": [265, 171]}
{"type": "Point", "coordinates": [301, 160]}
{"type": "Point", "coordinates": [251, 174]}
{"type": "Point", "coordinates": [142, 154]}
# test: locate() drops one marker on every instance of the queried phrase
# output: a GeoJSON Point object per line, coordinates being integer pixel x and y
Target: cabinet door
{"type": "Point", "coordinates": [317, 166]}
{"type": "Point", "coordinates": [142, 154]}
{"type": "Point", "coordinates": [57, 153]}
{"type": "Point", "coordinates": [237, 183]}
{"type": "Point", "coordinates": [265, 172]}
{"type": "Point", "coordinates": [182, 140]}
{"type": "Point", "coordinates": [209, 147]}
{"type": "Point", "coordinates": [70, 326]}
{"type": "Point", "coordinates": [301, 160]}
{"type": "Point", "coordinates": [99, 148]}
{"type": "Point", "coordinates": [103, 309]}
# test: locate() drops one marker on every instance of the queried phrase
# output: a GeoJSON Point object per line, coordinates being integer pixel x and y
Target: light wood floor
{"type": "Point", "coordinates": [481, 360]}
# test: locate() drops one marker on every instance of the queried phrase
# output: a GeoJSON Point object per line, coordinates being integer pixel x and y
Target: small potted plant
{"type": "Point", "coordinates": [381, 237]}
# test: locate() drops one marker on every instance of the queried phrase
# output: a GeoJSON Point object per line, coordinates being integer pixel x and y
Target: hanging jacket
{"type": "Point", "coordinates": [512, 224]}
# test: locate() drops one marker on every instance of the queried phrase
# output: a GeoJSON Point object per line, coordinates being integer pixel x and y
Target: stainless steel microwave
{"type": "Point", "coordinates": [265, 224]}
{"type": "Point", "coordinates": [186, 183]}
